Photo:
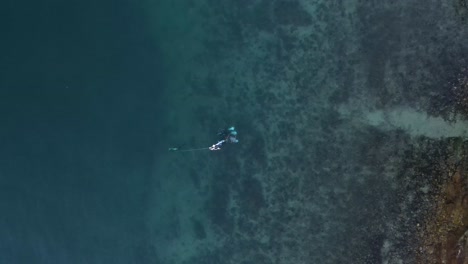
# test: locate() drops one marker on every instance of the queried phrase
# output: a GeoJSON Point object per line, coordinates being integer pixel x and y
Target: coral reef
{"type": "Point", "coordinates": [461, 8]}
{"type": "Point", "coordinates": [313, 179]}
{"type": "Point", "coordinates": [443, 234]}
{"type": "Point", "coordinates": [452, 102]}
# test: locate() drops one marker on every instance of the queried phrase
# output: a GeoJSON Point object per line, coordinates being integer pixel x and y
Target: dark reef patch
{"type": "Point", "coordinates": [291, 13]}
{"type": "Point", "coordinates": [375, 247]}
{"type": "Point", "coordinates": [443, 233]}
{"type": "Point", "coordinates": [145, 253]}
{"type": "Point", "coordinates": [195, 177]}
{"type": "Point", "coordinates": [198, 229]}
{"type": "Point", "coordinates": [173, 229]}
{"type": "Point", "coordinates": [316, 224]}
{"type": "Point", "coordinates": [256, 150]}
{"type": "Point", "coordinates": [451, 100]}
{"type": "Point", "coordinates": [261, 16]}
{"type": "Point", "coordinates": [461, 8]}
{"type": "Point", "coordinates": [251, 197]}
{"type": "Point", "coordinates": [211, 87]}
{"type": "Point", "coordinates": [217, 207]}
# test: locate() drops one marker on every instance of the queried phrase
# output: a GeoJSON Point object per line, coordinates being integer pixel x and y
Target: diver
{"type": "Point", "coordinates": [228, 135]}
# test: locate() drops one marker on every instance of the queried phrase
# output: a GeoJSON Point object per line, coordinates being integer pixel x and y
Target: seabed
{"type": "Point", "coordinates": [352, 134]}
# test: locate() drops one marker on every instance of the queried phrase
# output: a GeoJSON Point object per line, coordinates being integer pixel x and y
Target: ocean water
{"type": "Point", "coordinates": [80, 98]}
{"type": "Point", "coordinates": [351, 118]}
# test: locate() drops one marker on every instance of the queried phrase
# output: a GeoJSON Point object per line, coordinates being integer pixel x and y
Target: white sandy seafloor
{"type": "Point", "coordinates": [339, 117]}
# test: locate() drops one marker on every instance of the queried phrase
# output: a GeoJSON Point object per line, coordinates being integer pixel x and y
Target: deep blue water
{"type": "Point", "coordinates": [79, 88]}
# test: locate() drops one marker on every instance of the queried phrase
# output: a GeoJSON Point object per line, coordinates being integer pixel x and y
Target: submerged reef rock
{"type": "Point", "coordinates": [452, 102]}
{"type": "Point", "coordinates": [291, 13]}
{"type": "Point", "coordinates": [345, 156]}
{"type": "Point", "coordinates": [443, 236]}
{"type": "Point", "coordinates": [461, 8]}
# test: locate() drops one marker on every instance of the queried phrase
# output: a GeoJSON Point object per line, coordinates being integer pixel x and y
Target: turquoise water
{"type": "Point", "coordinates": [344, 112]}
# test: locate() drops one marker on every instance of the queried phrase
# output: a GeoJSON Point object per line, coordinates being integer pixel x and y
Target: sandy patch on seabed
{"type": "Point", "coordinates": [327, 171]}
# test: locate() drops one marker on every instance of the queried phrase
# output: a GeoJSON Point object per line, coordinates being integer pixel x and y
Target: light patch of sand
{"type": "Point", "coordinates": [413, 122]}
